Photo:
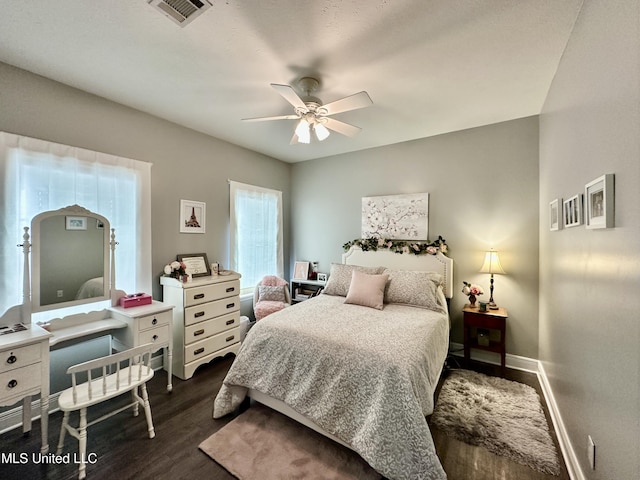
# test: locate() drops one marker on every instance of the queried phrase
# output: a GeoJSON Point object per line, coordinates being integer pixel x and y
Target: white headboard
{"type": "Point", "coordinates": [429, 263]}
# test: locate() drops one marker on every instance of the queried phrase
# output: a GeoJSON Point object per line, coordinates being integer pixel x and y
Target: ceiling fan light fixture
{"type": "Point", "coordinates": [321, 131]}
{"type": "Point", "coordinates": [303, 131]}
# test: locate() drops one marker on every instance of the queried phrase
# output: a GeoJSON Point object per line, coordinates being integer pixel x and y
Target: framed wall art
{"type": "Point", "coordinates": [599, 198]}
{"type": "Point", "coordinates": [192, 216]}
{"type": "Point", "coordinates": [396, 217]}
{"type": "Point", "coordinates": [197, 264]}
{"type": "Point", "coordinates": [301, 271]}
{"type": "Point", "coordinates": [572, 211]}
{"type": "Point", "coordinates": [76, 223]}
{"type": "Point", "coordinates": [555, 215]}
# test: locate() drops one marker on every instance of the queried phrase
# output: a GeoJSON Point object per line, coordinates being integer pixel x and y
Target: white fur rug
{"type": "Point", "coordinates": [503, 416]}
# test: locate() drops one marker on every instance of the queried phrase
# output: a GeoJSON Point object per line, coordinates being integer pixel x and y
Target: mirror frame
{"type": "Point", "coordinates": [77, 211]}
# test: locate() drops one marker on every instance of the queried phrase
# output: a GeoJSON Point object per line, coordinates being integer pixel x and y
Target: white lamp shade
{"type": "Point", "coordinates": [303, 131]}
{"type": "Point", "coordinates": [492, 263]}
{"type": "Point", "coordinates": [321, 131]}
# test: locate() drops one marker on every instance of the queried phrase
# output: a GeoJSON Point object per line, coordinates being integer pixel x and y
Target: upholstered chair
{"type": "Point", "coordinates": [271, 295]}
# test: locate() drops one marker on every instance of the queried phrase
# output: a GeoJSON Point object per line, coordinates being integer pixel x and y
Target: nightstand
{"type": "Point", "coordinates": [489, 320]}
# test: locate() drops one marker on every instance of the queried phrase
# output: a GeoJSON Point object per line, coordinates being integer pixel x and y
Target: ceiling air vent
{"type": "Point", "coordinates": [181, 12]}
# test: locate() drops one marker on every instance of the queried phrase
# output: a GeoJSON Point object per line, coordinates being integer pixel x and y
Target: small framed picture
{"type": "Point", "coordinates": [598, 197]}
{"type": "Point", "coordinates": [192, 216]}
{"type": "Point", "coordinates": [76, 223]}
{"type": "Point", "coordinates": [555, 221]}
{"type": "Point", "coordinates": [572, 211]}
{"type": "Point", "coordinates": [322, 277]}
{"type": "Point", "coordinates": [197, 264]}
{"type": "Point", "coordinates": [301, 271]}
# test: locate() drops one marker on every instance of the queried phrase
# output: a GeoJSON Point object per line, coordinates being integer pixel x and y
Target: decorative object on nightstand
{"type": "Point", "coordinates": [472, 291]}
{"type": "Point", "coordinates": [492, 265]}
{"type": "Point", "coordinates": [484, 323]}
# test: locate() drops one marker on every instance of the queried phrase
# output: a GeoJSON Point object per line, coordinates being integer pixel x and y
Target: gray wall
{"type": "Point", "coordinates": [589, 328]}
{"type": "Point", "coordinates": [483, 186]}
{"type": "Point", "coordinates": [186, 164]}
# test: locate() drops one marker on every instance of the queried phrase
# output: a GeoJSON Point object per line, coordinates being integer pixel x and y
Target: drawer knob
{"type": "Point", "coordinates": [12, 359]}
{"type": "Point", "coordinates": [154, 321]}
{"type": "Point", "coordinates": [231, 289]}
{"type": "Point", "coordinates": [198, 314]}
{"type": "Point", "coordinates": [230, 322]}
{"type": "Point", "coordinates": [154, 338]}
{"type": "Point", "coordinates": [198, 332]}
{"type": "Point", "coordinates": [198, 351]}
{"type": "Point", "coordinates": [229, 338]}
{"type": "Point", "coordinates": [198, 296]}
{"type": "Point", "coordinates": [231, 305]}
{"type": "Point", "coordinates": [12, 384]}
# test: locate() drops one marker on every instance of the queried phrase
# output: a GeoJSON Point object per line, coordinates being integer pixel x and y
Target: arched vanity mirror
{"type": "Point", "coordinates": [69, 258]}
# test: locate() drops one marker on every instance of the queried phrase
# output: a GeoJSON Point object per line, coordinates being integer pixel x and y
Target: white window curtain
{"type": "Point", "coordinates": [255, 233]}
{"type": "Point", "coordinates": [38, 176]}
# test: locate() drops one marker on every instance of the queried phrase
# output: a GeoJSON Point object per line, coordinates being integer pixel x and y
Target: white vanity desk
{"type": "Point", "coordinates": [69, 236]}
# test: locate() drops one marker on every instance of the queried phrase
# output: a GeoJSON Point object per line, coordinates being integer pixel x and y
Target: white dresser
{"type": "Point", "coordinates": [206, 319]}
{"type": "Point", "coordinates": [146, 324]}
{"type": "Point", "coordinates": [24, 371]}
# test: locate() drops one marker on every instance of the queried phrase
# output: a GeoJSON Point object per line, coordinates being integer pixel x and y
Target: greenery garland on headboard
{"type": "Point", "coordinates": [399, 246]}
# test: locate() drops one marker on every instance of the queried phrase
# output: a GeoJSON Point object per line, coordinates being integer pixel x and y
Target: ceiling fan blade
{"type": "Point", "coordinates": [289, 95]}
{"type": "Point", "coordinates": [341, 127]}
{"type": "Point", "coordinates": [352, 102]}
{"type": "Point", "coordinates": [294, 139]}
{"type": "Point", "coordinates": [278, 117]}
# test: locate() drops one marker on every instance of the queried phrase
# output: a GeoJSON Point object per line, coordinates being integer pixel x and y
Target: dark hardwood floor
{"type": "Point", "coordinates": [182, 420]}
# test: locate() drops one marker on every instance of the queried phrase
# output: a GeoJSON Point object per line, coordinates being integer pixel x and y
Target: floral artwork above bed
{"type": "Point", "coordinates": [397, 217]}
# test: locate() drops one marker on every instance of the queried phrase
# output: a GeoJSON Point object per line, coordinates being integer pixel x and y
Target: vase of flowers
{"type": "Point", "coordinates": [177, 270]}
{"type": "Point", "coordinates": [472, 291]}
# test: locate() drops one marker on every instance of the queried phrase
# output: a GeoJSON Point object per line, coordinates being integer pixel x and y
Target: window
{"type": "Point", "coordinates": [256, 233]}
{"type": "Point", "coordinates": [38, 176]}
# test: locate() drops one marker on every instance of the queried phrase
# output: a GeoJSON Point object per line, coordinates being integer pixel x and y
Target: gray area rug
{"type": "Point", "coordinates": [261, 444]}
{"type": "Point", "coordinates": [502, 416]}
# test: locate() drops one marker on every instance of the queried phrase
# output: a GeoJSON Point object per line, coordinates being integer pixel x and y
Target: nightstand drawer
{"type": "Point", "coordinates": [207, 293]}
{"type": "Point", "coordinates": [154, 320]}
{"type": "Point", "coordinates": [158, 335]}
{"type": "Point", "coordinates": [19, 357]}
{"type": "Point", "coordinates": [202, 330]}
{"type": "Point", "coordinates": [483, 320]}
{"type": "Point", "coordinates": [209, 345]}
{"type": "Point", "coordinates": [209, 310]}
{"type": "Point", "coordinates": [20, 380]}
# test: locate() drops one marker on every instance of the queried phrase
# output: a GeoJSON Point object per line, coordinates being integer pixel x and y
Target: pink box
{"type": "Point", "coordinates": [135, 300]}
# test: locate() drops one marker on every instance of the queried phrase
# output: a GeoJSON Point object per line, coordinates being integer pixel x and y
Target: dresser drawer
{"type": "Point", "coordinates": [209, 345]}
{"type": "Point", "coordinates": [202, 330]}
{"type": "Point", "coordinates": [151, 321]}
{"type": "Point", "coordinates": [15, 382]}
{"type": "Point", "coordinates": [207, 293]}
{"type": "Point", "coordinates": [19, 357]}
{"type": "Point", "coordinates": [158, 335]}
{"type": "Point", "coordinates": [199, 313]}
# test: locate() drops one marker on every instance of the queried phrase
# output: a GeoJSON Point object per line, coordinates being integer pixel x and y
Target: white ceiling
{"type": "Point", "coordinates": [430, 66]}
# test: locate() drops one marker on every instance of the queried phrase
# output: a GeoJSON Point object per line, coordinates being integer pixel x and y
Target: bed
{"type": "Point", "coordinates": [362, 375]}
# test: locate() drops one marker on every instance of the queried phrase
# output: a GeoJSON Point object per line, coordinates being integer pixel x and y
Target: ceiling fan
{"type": "Point", "coordinates": [314, 117]}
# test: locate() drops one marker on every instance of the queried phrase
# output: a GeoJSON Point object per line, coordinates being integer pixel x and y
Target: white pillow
{"type": "Point", "coordinates": [367, 290]}
{"type": "Point", "coordinates": [271, 293]}
{"type": "Point", "coordinates": [415, 288]}
{"type": "Point", "coordinates": [340, 278]}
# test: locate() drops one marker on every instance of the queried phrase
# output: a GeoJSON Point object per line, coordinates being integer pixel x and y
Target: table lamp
{"type": "Point", "coordinates": [492, 265]}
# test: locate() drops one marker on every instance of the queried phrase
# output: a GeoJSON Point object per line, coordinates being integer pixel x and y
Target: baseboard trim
{"type": "Point", "coordinates": [568, 453]}
{"type": "Point", "coordinates": [12, 418]}
{"type": "Point", "coordinates": [512, 361]}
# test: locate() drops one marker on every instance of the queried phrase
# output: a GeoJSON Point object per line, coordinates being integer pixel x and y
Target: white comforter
{"type": "Point", "coordinates": [364, 375]}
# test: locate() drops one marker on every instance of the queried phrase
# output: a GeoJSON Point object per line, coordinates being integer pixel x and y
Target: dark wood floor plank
{"type": "Point", "coordinates": [182, 420]}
